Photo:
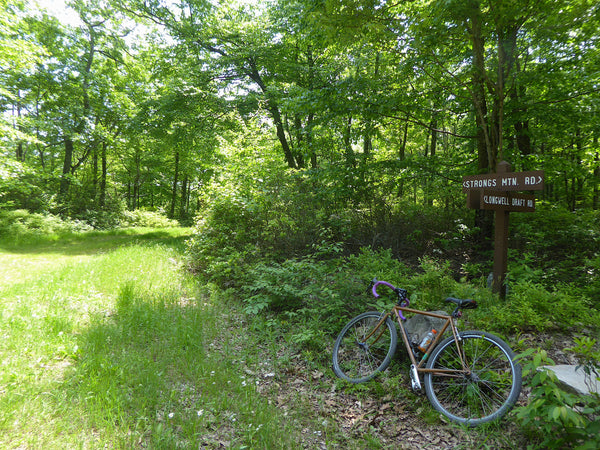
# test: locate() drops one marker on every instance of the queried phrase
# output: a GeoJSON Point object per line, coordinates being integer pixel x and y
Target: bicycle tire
{"type": "Point", "coordinates": [491, 389]}
{"type": "Point", "coordinates": [357, 361]}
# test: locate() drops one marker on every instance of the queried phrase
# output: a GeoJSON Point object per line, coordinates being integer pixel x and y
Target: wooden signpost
{"type": "Point", "coordinates": [496, 191]}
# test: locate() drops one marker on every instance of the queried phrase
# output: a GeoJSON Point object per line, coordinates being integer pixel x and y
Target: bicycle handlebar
{"type": "Point", "coordinates": [402, 294]}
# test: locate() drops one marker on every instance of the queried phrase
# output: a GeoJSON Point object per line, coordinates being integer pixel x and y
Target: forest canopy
{"type": "Point", "coordinates": [343, 108]}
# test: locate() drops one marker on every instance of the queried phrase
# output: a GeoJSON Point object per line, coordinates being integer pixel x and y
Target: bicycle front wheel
{"type": "Point", "coordinates": [364, 347]}
{"type": "Point", "coordinates": [487, 391]}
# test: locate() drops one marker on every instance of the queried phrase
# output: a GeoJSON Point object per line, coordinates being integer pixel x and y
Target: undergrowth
{"type": "Point", "coordinates": [555, 418]}
{"type": "Point", "coordinates": [21, 226]}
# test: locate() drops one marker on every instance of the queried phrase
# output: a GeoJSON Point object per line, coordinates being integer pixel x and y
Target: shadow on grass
{"type": "Point", "coordinates": [139, 373]}
{"type": "Point", "coordinates": [92, 242]}
{"type": "Point", "coordinates": [153, 374]}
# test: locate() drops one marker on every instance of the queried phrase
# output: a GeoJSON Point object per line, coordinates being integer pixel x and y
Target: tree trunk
{"type": "Point", "coordinates": [65, 180]}
{"type": "Point", "coordinates": [433, 145]}
{"type": "Point", "coordinates": [432, 148]}
{"type": "Point", "coordinates": [20, 154]}
{"type": "Point", "coordinates": [95, 173]}
{"type": "Point", "coordinates": [273, 108]}
{"type": "Point", "coordinates": [183, 202]}
{"type": "Point", "coordinates": [521, 126]}
{"type": "Point", "coordinates": [349, 151]}
{"type": "Point", "coordinates": [596, 178]}
{"type": "Point", "coordinates": [175, 182]}
{"type": "Point", "coordinates": [102, 199]}
{"type": "Point", "coordinates": [311, 115]}
{"type": "Point", "coordinates": [401, 157]}
{"type": "Point", "coordinates": [367, 139]}
{"type": "Point", "coordinates": [289, 157]}
{"type": "Point", "coordinates": [485, 154]}
{"type": "Point", "coordinates": [309, 141]}
{"type": "Point", "coordinates": [136, 183]}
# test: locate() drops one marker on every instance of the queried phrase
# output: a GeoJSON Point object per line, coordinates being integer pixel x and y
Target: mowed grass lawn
{"type": "Point", "coordinates": [106, 342]}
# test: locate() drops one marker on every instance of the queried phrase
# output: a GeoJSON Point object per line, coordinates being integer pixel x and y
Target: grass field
{"type": "Point", "coordinates": [108, 343]}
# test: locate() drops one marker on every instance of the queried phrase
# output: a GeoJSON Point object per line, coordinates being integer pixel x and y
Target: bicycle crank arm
{"type": "Point", "coordinates": [414, 378]}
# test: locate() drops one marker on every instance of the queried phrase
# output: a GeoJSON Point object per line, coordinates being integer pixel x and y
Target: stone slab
{"type": "Point", "coordinates": [575, 378]}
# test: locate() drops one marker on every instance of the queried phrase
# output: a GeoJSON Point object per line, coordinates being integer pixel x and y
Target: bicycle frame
{"type": "Point", "coordinates": [398, 311]}
{"type": "Point", "coordinates": [420, 365]}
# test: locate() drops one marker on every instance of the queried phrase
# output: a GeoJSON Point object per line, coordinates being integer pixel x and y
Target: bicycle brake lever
{"type": "Point", "coordinates": [371, 284]}
{"type": "Point", "coordinates": [402, 296]}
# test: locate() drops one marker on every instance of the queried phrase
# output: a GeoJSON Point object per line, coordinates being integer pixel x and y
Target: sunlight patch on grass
{"type": "Point", "coordinates": [117, 346]}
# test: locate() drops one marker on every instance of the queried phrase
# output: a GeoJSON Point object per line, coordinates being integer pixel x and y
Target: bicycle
{"type": "Point", "coordinates": [471, 377]}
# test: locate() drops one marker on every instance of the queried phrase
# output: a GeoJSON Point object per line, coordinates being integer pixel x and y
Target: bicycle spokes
{"type": "Point", "coordinates": [484, 391]}
{"type": "Point", "coordinates": [364, 347]}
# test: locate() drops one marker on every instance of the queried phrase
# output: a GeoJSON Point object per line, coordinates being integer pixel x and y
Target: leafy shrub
{"type": "Point", "coordinates": [320, 294]}
{"type": "Point", "coordinates": [280, 286]}
{"type": "Point", "coordinates": [287, 214]}
{"type": "Point", "coordinates": [107, 217]}
{"type": "Point", "coordinates": [557, 244]}
{"type": "Point", "coordinates": [21, 187]}
{"type": "Point", "coordinates": [531, 307]}
{"type": "Point", "coordinates": [433, 284]}
{"type": "Point", "coordinates": [144, 218]}
{"type": "Point", "coordinates": [590, 286]}
{"type": "Point", "coordinates": [554, 418]}
{"type": "Point", "coordinates": [21, 223]}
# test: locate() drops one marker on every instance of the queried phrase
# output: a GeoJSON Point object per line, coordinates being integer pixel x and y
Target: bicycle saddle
{"type": "Point", "coordinates": [463, 303]}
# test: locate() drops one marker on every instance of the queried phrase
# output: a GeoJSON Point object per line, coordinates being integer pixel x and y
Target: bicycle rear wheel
{"type": "Point", "coordinates": [364, 347]}
{"type": "Point", "coordinates": [488, 392]}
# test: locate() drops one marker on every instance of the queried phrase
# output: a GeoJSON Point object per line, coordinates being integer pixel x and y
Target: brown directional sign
{"type": "Point", "coordinates": [495, 191]}
{"type": "Point", "coordinates": [507, 201]}
{"type": "Point", "coordinates": [510, 181]}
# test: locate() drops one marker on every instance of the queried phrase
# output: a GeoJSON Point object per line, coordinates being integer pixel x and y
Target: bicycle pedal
{"type": "Point", "coordinates": [414, 378]}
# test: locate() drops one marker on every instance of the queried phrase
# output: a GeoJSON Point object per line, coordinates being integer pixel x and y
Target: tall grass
{"type": "Point", "coordinates": [113, 345]}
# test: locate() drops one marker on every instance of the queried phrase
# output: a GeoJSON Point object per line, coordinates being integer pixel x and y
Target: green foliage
{"type": "Point", "coordinates": [319, 294]}
{"type": "Point", "coordinates": [109, 216]}
{"type": "Point", "coordinates": [586, 352]}
{"type": "Point", "coordinates": [22, 186]}
{"type": "Point", "coordinates": [590, 285]}
{"type": "Point", "coordinates": [21, 224]}
{"type": "Point", "coordinates": [433, 284]}
{"type": "Point", "coordinates": [557, 242]}
{"type": "Point", "coordinates": [148, 219]}
{"type": "Point", "coordinates": [530, 307]}
{"type": "Point", "coordinates": [290, 251]}
{"type": "Point", "coordinates": [555, 418]}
